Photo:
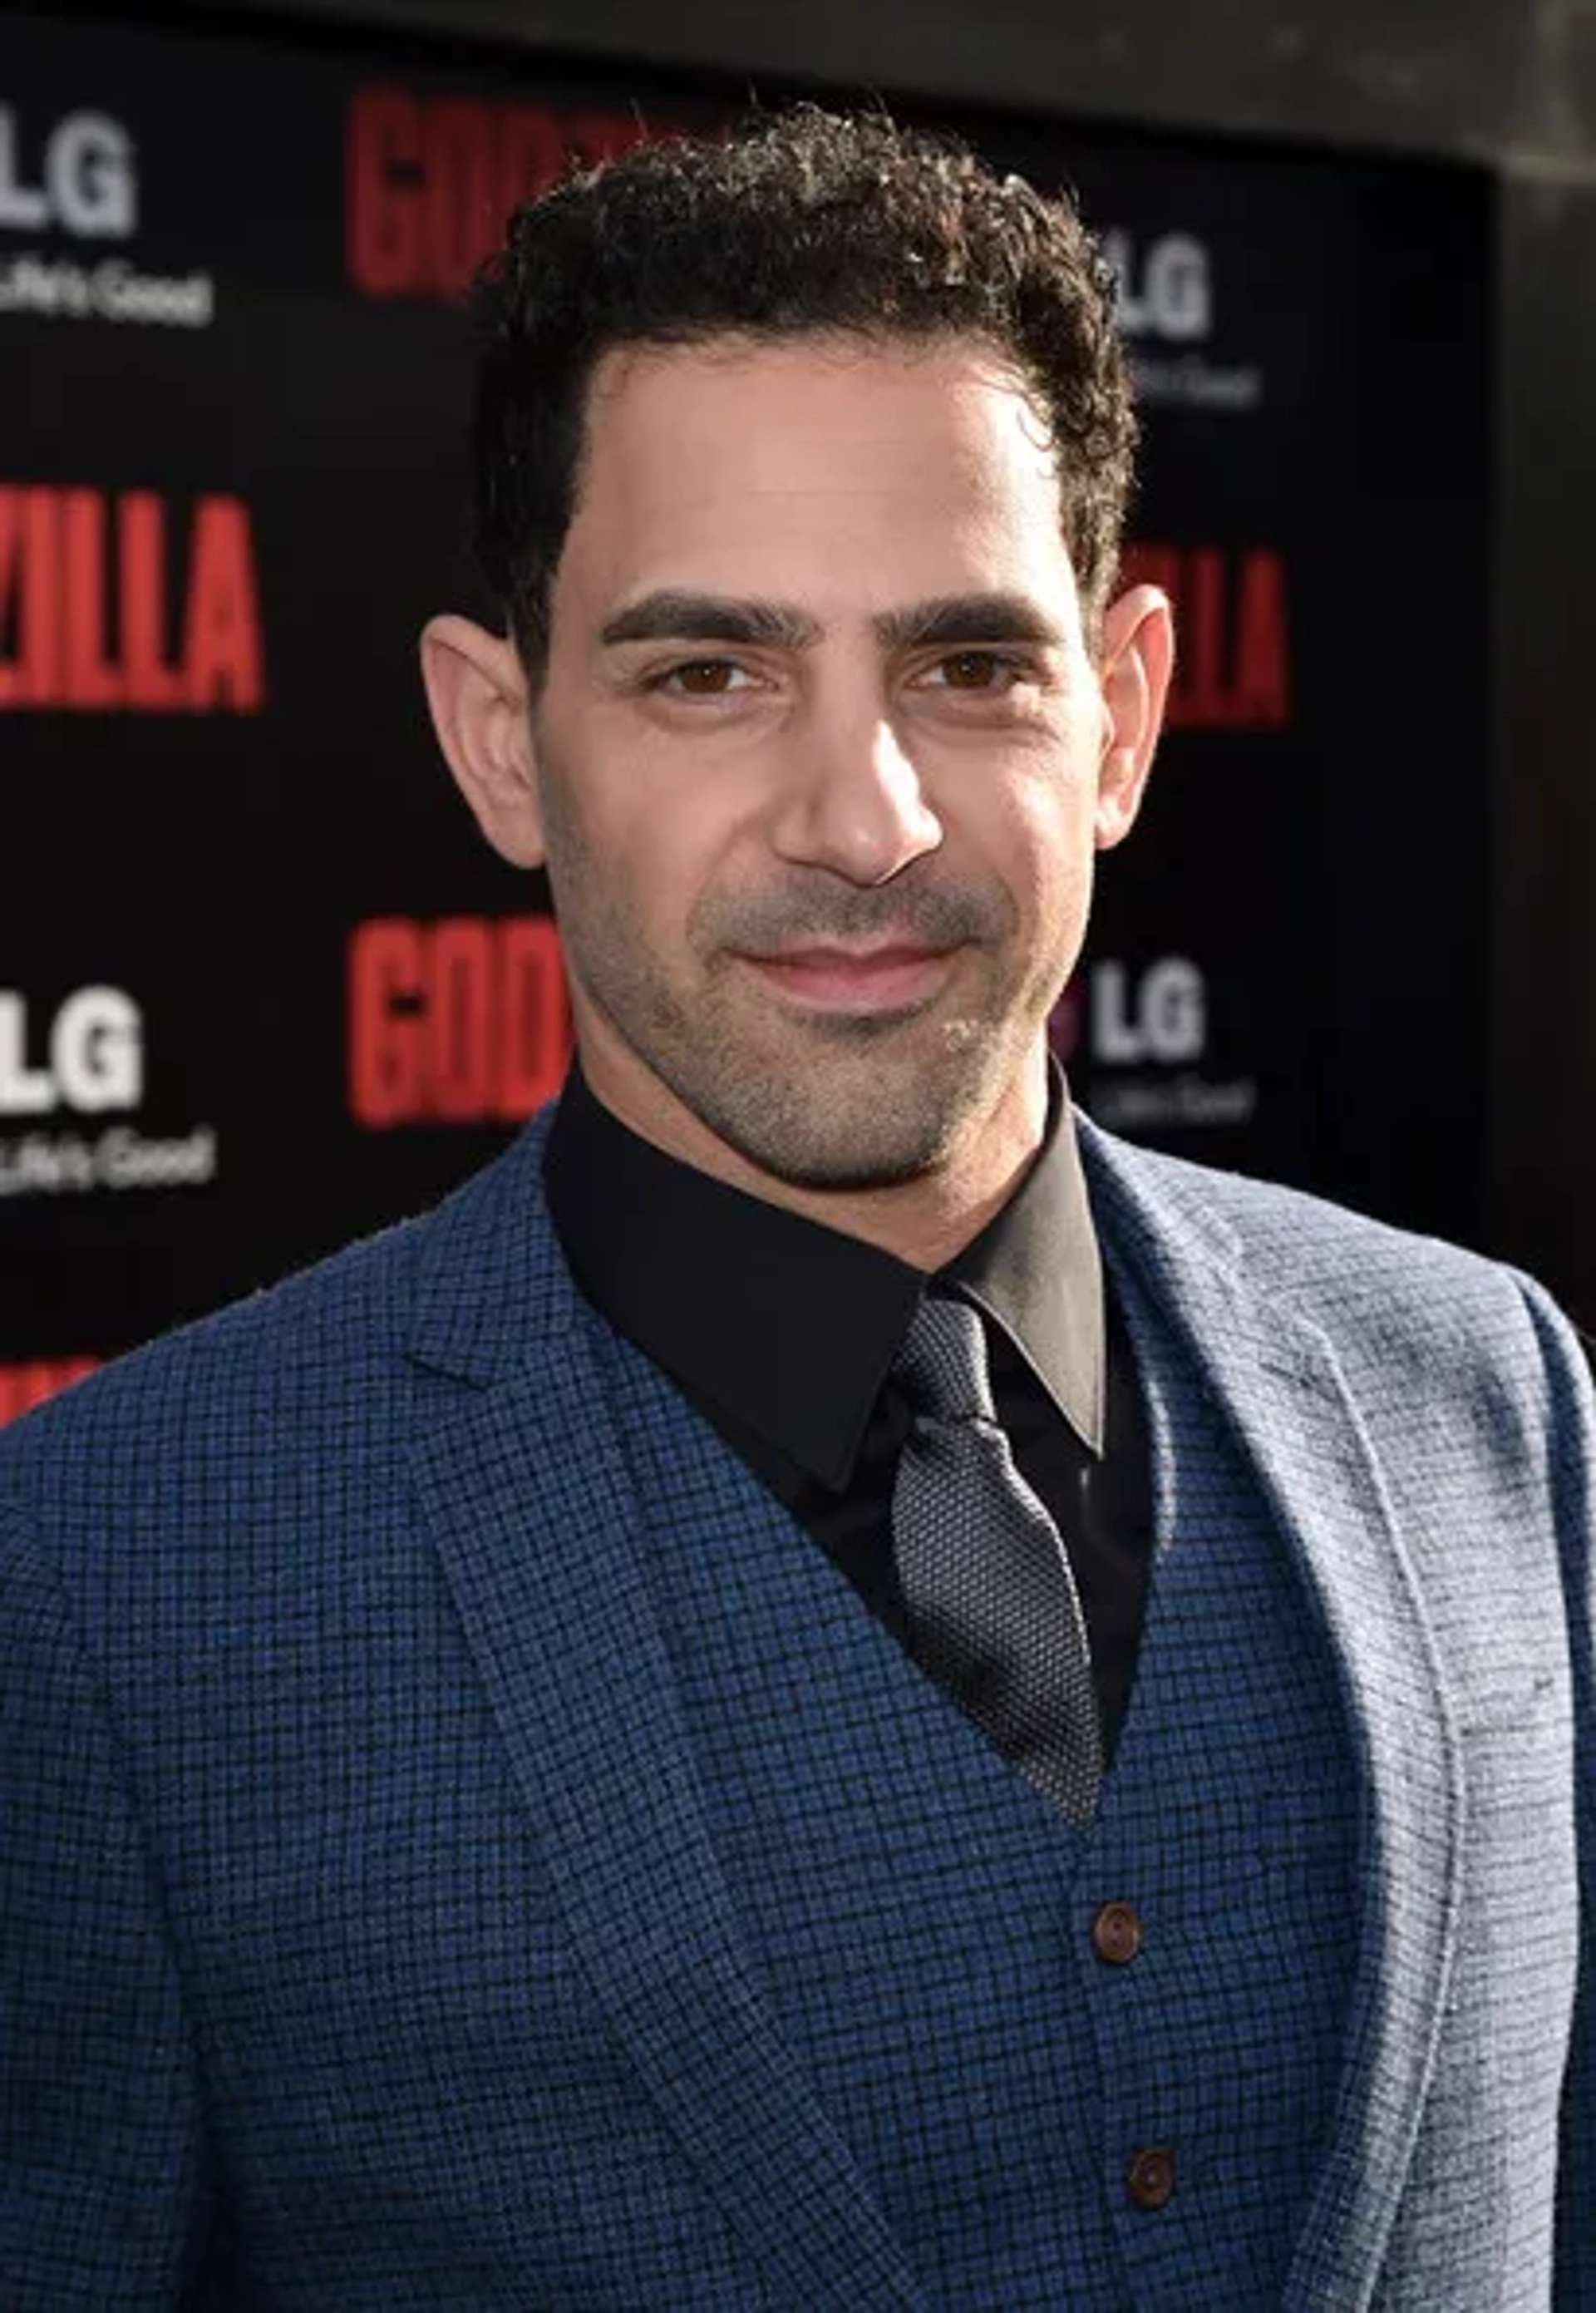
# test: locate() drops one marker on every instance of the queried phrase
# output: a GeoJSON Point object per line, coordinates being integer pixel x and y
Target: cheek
{"type": "Point", "coordinates": [626, 871]}
{"type": "Point", "coordinates": [1041, 843]}
{"type": "Point", "coordinates": [650, 806]}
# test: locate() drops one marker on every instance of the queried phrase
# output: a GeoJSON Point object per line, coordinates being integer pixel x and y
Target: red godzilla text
{"type": "Point", "coordinates": [431, 180]}
{"type": "Point", "coordinates": [461, 1021]}
{"type": "Point", "coordinates": [96, 613]}
{"type": "Point", "coordinates": [1232, 666]}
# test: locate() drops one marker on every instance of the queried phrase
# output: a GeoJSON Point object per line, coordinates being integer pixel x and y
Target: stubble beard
{"type": "Point", "coordinates": [843, 1102]}
{"type": "Point", "coordinates": [850, 1103]}
{"type": "Point", "coordinates": [816, 1100]}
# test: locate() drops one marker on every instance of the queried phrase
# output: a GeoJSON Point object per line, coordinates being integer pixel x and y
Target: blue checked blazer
{"type": "Point", "coordinates": [371, 1933]}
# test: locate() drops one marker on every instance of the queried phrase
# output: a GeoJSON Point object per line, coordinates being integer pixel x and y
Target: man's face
{"type": "Point", "coordinates": [821, 757]}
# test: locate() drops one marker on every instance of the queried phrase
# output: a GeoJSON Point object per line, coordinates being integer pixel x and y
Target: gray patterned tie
{"type": "Point", "coordinates": [994, 1612]}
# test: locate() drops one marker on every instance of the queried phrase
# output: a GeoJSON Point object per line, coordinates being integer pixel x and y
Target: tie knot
{"type": "Point", "coordinates": [943, 1363]}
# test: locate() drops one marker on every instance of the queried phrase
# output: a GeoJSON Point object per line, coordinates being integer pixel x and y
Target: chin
{"type": "Point", "coordinates": [844, 1171]}
{"type": "Point", "coordinates": [785, 1137]}
{"type": "Point", "coordinates": [863, 1112]}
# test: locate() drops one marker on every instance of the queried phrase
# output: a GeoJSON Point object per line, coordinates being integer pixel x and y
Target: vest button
{"type": "Point", "coordinates": [1150, 2179]}
{"type": "Point", "coordinates": [1116, 1934]}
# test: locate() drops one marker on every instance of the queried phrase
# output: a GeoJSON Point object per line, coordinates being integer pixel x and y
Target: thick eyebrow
{"type": "Point", "coordinates": [966, 619]}
{"type": "Point", "coordinates": [674, 615]}
{"type": "Point", "coordinates": [680, 615]}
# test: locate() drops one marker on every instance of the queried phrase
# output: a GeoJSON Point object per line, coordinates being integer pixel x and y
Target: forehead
{"type": "Point", "coordinates": [840, 466]}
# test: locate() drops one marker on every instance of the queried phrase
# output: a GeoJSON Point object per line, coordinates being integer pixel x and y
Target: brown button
{"type": "Point", "coordinates": [1150, 2179]}
{"type": "Point", "coordinates": [1116, 1934]}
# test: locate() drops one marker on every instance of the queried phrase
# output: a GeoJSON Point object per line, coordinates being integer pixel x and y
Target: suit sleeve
{"type": "Point", "coordinates": [1573, 1447]}
{"type": "Point", "coordinates": [101, 2192]}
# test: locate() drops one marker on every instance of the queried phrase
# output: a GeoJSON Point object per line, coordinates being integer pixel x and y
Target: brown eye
{"type": "Point", "coordinates": [703, 678]}
{"type": "Point", "coordinates": [973, 670]}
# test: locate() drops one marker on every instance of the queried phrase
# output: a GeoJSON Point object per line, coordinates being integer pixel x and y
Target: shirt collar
{"type": "Point", "coordinates": [790, 1327]}
{"type": "Point", "coordinates": [1036, 1272]}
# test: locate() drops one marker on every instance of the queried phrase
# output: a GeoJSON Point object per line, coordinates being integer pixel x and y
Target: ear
{"type": "Point", "coordinates": [477, 693]}
{"type": "Point", "coordinates": [1137, 659]}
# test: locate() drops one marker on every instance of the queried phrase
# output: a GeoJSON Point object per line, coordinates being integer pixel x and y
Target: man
{"type": "Point", "coordinates": [829, 1689]}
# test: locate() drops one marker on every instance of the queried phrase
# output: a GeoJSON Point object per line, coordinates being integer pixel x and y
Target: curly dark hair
{"type": "Point", "coordinates": [799, 222]}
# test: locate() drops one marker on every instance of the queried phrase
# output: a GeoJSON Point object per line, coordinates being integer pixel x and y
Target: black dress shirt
{"type": "Point", "coordinates": [782, 1333]}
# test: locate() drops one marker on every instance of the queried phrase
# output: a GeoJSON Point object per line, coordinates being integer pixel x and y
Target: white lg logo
{"type": "Point", "coordinates": [1166, 288]}
{"type": "Point", "coordinates": [1163, 1018]}
{"type": "Point", "coordinates": [89, 184]}
{"type": "Point", "coordinates": [96, 1055]}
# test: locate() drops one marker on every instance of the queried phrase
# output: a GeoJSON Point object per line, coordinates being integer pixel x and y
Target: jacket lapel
{"type": "Point", "coordinates": [1277, 1375]}
{"type": "Point", "coordinates": [525, 1491]}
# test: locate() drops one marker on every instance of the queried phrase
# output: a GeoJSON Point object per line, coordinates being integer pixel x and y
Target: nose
{"type": "Point", "coordinates": [854, 801]}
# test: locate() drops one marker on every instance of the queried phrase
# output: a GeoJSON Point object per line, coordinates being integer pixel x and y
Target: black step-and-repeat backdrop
{"type": "Point", "coordinates": [262, 988]}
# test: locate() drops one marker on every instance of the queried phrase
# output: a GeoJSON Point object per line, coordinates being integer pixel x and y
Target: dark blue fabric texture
{"type": "Point", "coordinates": [462, 1846]}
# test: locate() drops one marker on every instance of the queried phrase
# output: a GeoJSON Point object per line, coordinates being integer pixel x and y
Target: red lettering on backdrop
{"type": "Point", "coordinates": [1262, 661]}
{"type": "Point", "coordinates": [458, 184]}
{"type": "Point", "coordinates": [92, 683]}
{"type": "Point", "coordinates": [84, 605]}
{"type": "Point", "coordinates": [30, 597]}
{"type": "Point", "coordinates": [460, 1024]}
{"type": "Point", "coordinates": [153, 685]}
{"type": "Point", "coordinates": [222, 623]}
{"type": "Point", "coordinates": [381, 194]}
{"type": "Point", "coordinates": [429, 181]}
{"type": "Point", "coordinates": [465, 1021]}
{"type": "Point", "coordinates": [1232, 653]}
{"type": "Point", "coordinates": [25, 1385]}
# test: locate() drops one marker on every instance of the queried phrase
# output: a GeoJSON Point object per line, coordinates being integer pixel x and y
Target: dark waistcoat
{"type": "Point", "coordinates": [930, 1933]}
